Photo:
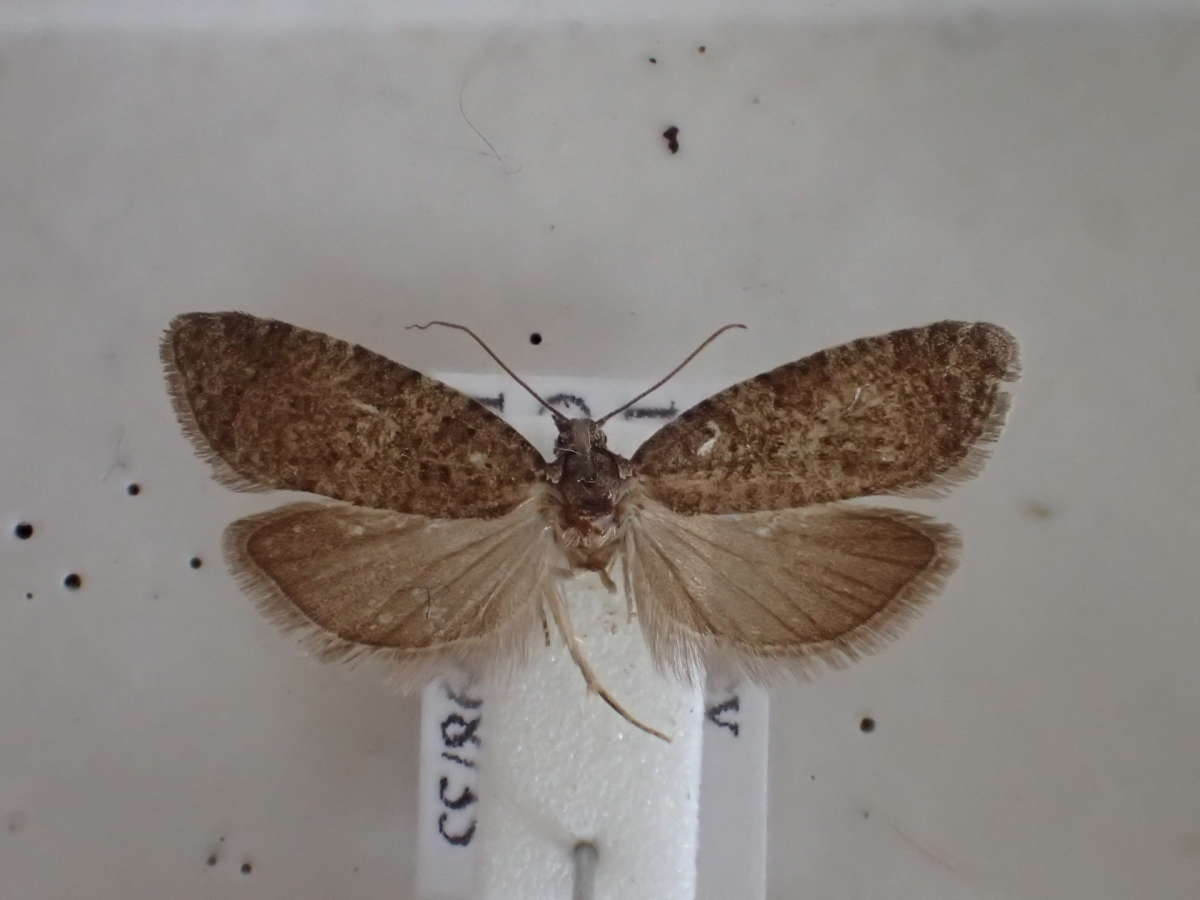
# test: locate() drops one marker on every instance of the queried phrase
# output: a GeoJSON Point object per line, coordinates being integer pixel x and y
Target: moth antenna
{"type": "Point", "coordinates": [654, 387]}
{"type": "Point", "coordinates": [559, 612]}
{"type": "Point", "coordinates": [558, 417]}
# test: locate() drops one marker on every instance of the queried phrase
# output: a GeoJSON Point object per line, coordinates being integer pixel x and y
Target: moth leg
{"type": "Point", "coordinates": [558, 609]}
{"type": "Point", "coordinates": [627, 584]}
{"type": "Point", "coordinates": [606, 580]}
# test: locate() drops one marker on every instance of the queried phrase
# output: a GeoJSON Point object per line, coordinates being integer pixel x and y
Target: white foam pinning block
{"type": "Point", "coordinates": [731, 859]}
{"type": "Point", "coordinates": [559, 766]}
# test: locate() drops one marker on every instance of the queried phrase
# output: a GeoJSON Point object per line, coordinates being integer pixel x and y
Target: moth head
{"type": "Point", "coordinates": [580, 437]}
{"type": "Point", "coordinates": [588, 475]}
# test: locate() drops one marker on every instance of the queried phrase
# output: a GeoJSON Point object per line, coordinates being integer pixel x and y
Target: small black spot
{"type": "Point", "coordinates": [23, 530]}
{"type": "Point", "coordinates": [866, 813]}
{"type": "Point", "coordinates": [701, 49]}
{"type": "Point", "coordinates": [133, 489]}
{"type": "Point", "coordinates": [195, 562]}
{"type": "Point", "coordinates": [535, 338]}
{"type": "Point", "coordinates": [867, 725]}
{"type": "Point", "coordinates": [29, 595]}
{"type": "Point", "coordinates": [653, 61]}
{"type": "Point", "coordinates": [212, 860]}
{"type": "Point", "coordinates": [672, 136]}
{"type": "Point", "coordinates": [72, 582]}
{"type": "Point", "coordinates": [247, 867]}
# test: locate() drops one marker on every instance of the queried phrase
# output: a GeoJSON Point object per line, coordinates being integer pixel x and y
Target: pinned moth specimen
{"type": "Point", "coordinates": [449, 534]}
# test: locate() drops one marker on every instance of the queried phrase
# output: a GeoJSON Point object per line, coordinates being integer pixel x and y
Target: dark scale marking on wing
{"type": "Point", "coordinates": [906, 412]}
{"type": "Point", "coordinates": [273, 406]}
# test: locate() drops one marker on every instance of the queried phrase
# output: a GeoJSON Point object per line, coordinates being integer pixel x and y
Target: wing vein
{"type": "Point", "coordinates": [753, 598]}
{"type": "Point", "coordinates": [700, 610]}
{"type": "Point", "coordinates": [783, 594]}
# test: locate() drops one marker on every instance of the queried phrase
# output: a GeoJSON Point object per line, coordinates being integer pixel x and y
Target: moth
{"type": "Point", "coordinates": [446, 536]}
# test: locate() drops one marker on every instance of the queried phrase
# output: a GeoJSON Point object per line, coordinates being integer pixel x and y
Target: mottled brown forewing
{"type": "Point", "coordinates": [274, 406]}
{"type": "Point", "coordinates": [900, 413]}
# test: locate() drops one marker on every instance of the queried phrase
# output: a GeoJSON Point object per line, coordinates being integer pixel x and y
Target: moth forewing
{"type": "Point", "coordinates": [273, 406]}
{"type": "Point", "coordinates": [899, 413]}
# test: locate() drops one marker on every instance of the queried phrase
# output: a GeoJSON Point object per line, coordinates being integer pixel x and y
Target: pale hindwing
{"type": "Point", "coordinates": [415, 590]}
{"type": "Point", "coordinates": [823, 584]}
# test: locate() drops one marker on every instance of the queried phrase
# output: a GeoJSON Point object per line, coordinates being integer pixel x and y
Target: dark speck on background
{"type": "Point", "coordinates": [672, 136]}
{"type": "Point", "coordinates": [247, 867]}
{"type": "Point", "coordinates": [133, 489]}
{"type": "Point", "coordinates": [73, 582]}
{"type": "Point", "coordinates": [701, 48]}
{"type": "Point", "coordinates": [23, 530]}
{"type": "Point", "coordinates": [867, 725]}
{"type": "Point", "coordinates": [195, 562]}
{"type": "Point", "coordinates": [1039, 509]}
{"type": "Point", "coordinates": [653, 61]}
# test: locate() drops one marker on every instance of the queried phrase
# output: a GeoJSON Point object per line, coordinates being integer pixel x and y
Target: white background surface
{"type": "Point", "coordinates": [1037, 729]}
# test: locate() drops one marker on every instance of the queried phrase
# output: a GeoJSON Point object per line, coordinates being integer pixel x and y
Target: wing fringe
{"type": "Point", "coordinates": [222, 471]}
{"type": "Point", "coordinates": [978, 454]}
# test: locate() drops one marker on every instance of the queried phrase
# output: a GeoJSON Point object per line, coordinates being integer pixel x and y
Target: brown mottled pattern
{"type": "Point", "coordinates": [276, 406]}
{"type": "Point", "coordinates": [880, 415]}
